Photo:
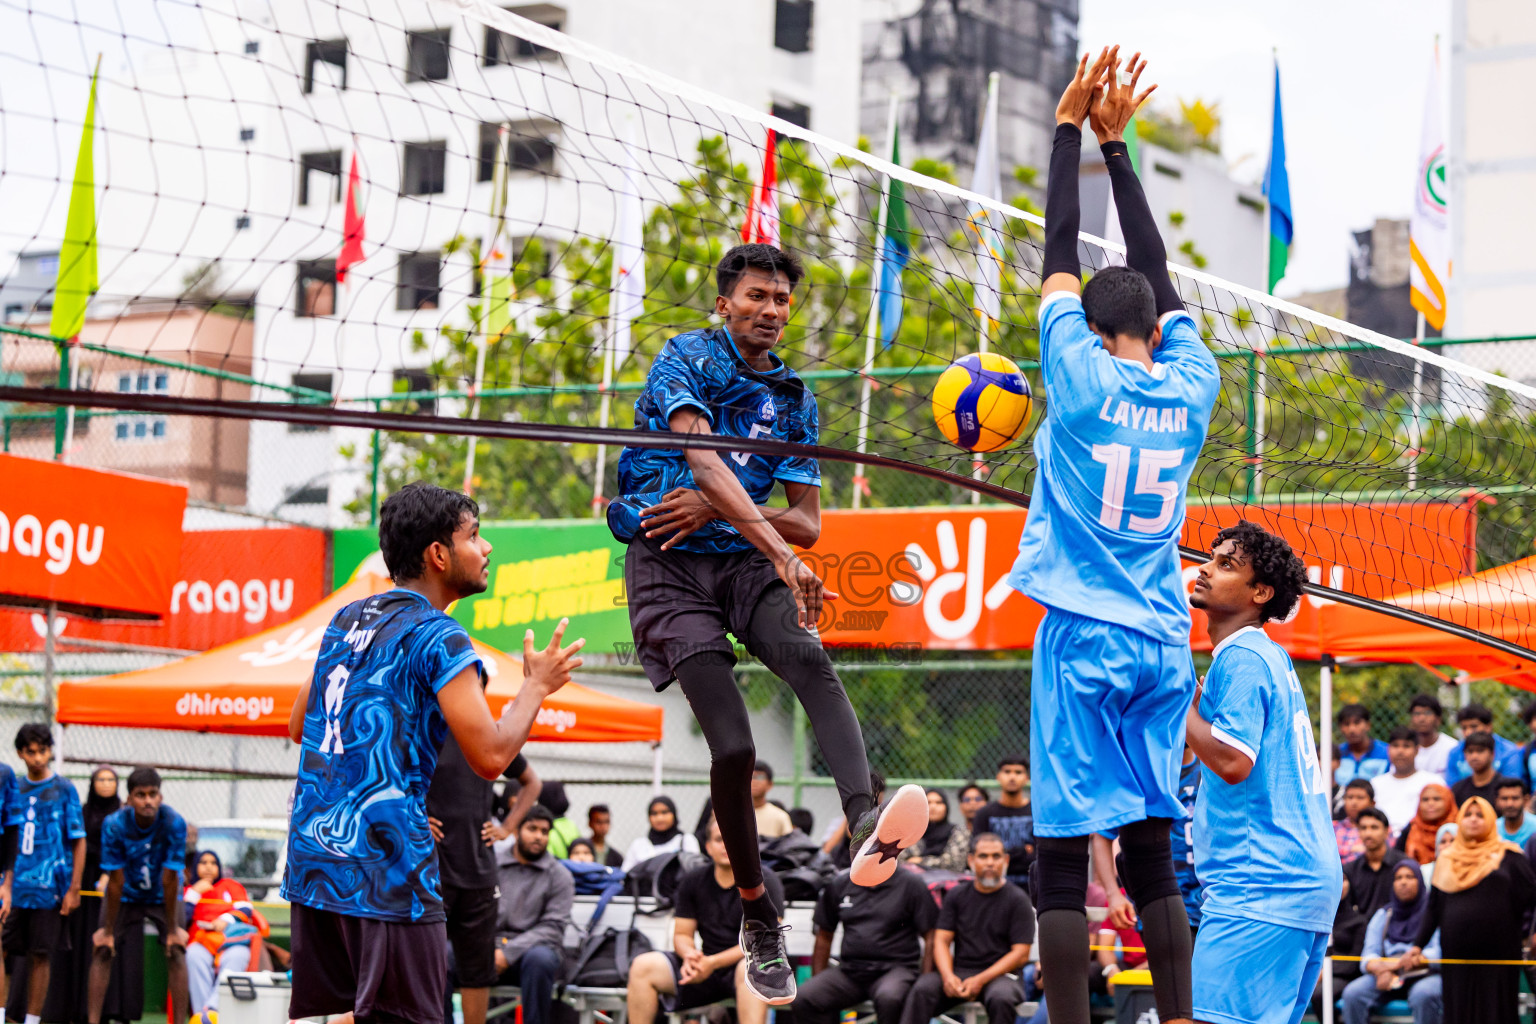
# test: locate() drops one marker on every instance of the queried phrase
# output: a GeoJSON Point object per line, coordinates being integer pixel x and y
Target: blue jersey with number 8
{"type": "Point", "coordinates": [1115, 453]}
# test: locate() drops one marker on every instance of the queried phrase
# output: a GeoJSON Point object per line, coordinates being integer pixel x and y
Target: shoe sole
{"type": "Point", "coordinates": [901, 824]}
{"type": "Point", "coordinates": [778, 1000]}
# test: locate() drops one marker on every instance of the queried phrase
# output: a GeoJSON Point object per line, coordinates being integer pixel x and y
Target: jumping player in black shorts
{"type": "Point", "coordinates": [707, 557]}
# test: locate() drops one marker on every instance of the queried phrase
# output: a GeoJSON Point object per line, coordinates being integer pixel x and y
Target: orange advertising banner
{"type": "Point", "coordinates": [232, 583]}
{"type": "Point", "coordinates": [98, 543]}
{"type": "Point", "coordinates": [910, 579]}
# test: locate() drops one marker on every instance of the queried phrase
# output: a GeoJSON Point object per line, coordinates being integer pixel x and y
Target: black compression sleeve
{"type": "Point", "coordinates": [1062, 213]}
{"type": "Point", "coordinates": [1144, 249]}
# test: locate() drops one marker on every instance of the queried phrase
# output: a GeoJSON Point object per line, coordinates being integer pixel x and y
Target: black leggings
{"type": "Point", "coordinates": [795, 656]}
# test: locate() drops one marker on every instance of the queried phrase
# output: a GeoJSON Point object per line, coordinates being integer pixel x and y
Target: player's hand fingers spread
{"type": "Point", "coordinates": [578, 644]}
{"type": "Point", "coordinates": [554, 641]}
{"type": "Point", "coordinates": [1148, 91]}
{"type": "Point", "coordinates": [528, 649]}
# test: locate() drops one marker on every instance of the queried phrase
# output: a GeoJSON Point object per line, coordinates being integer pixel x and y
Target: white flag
{"type": "Point", "coordinates": [628, 300]}
{"type": "Point", "coordinates": [1429, 231]}
{"type": "Point", "coordinates": [988, 302]}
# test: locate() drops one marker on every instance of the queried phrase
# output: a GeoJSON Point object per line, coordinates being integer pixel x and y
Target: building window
{"type": "Point", "coordinates": [426, 168]}
{"type": "Point", "coordinates": [794, 113]}
{"type": "Point", "coordinates": [247, 134]}
{"type": "Point", "coordinates": [1256, 205]}
{"type": "Point", "coordinates": [325, 63]}
{"type": "Point", "coordinates": [420, 281]}
{"type": "Point", "coordinates": [317, 288]}
{"type": "Point", "coordinates": [328, 164]}
{"type": "Point", "coordinates": [13, 311]}
{"type": "Point", "coordinates": [143, 382]}
{"type": "Point", "coordinates": [417, 381]}
{"type": "Point", "coordinates": [309, 494]}
{"type": "Point", "coordinates": [314, 382]}
{"type": "Point", "coordinates": [792, 25]}
{"type": "Point", "coordinates": [252, 46]}
{"type": "Point", "coordinates": [502, 48]}
{"type": "Point", "coordinates": [532, 147]}
{"type": "Point", "coordinates": [487, 163]}
{"type": "Point", "coordinates": [1172, 172]}
{"type": "Point", "coordinates": [426, 56]}
{"type": "Point", "coordinates": [242, 222]}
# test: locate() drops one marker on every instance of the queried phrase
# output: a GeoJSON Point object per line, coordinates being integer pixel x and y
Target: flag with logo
{"type": "Point", "coordinates": [1277, 189]}
{"type": "Point", "coordinates": [77, 280]}
{"type": "Point", "coordinates": [895, 250]}
{"type": "Point", "coordinates": [352, 229]}
{"type": "Point", "coordinates": [986, 181]}
{"type": "Point", "coordinates": [762, 223]}
{"type": "Point", "coordinates": [1429, 229]}
{"type": "Point", "coordinates": [628, 287]}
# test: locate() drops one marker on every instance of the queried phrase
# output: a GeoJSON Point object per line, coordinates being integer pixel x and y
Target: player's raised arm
{"type": "Point", "coordinates": [1117, 103]}
{"type": "Point", "coordinates": [1061, 270]}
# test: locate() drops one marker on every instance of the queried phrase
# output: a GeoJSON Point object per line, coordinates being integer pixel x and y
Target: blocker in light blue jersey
{"type": "Point", "coordinates": [703, 370]}
{"type": "Point", "coordinates": [1264, 847]}
{"type": "Point", "coordinates": [1112, 672]}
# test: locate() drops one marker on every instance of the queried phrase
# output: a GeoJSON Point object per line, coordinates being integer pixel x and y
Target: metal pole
{"type": "Point", "coordinates": [62, 415]}
{"type": "Point", "coordinates": [234, 782]}
{"type": "Point", "coordinates": [50, 611]}
{"type": "Point", "coordinates": [797, 732]}
{"type": "Point", "coordinates": [474, 412]}
{"type": "Point", "coordinates": [605, 406]}
{"type": "Point", "coordinates": [877, 267]}
{"type": "Point", "coordinates": [655, 769]}
{"type": "Point", "coordinates": [1325, 720]}
{"type": "Point", "coordinates": [1415, 429]}
{"type": "Point", "coordinates": [373, 502]}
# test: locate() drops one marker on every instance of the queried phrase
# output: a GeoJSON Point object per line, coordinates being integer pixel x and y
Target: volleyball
{"type": "Point", "coordinates": [982, 402]}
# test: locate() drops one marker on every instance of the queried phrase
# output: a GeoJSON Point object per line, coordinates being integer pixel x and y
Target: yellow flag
{"type": "Point", "coordinates": [77, 256]}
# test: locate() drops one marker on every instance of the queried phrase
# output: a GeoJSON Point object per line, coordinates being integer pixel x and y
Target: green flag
{"type": "Point", "coordinates": [77, 256]}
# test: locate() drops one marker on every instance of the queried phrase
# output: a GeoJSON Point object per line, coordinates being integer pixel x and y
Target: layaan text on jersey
{"type": "Point", "coordinates": [1154, 420]}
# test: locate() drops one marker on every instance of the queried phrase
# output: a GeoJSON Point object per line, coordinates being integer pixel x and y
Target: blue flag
{"type": "Point", "coordinates": [894, 252]}
{"type": "Point", "coordinates": [1277, 188]}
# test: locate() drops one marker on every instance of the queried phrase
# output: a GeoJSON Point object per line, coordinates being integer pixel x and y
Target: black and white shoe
{"type": "Point", "coordinates": [882, 834]}
{"type": "Point", "coordinates": [769, 973]}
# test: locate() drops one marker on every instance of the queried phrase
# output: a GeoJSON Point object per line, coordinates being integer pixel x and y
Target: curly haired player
{"type": "Point", "coordinates": [1263, 835]}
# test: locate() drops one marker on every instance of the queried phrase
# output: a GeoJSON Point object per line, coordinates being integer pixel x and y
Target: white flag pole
{"type": "Point", "coordinates": [481, 338]}
{"type": "Point", "coordinates": [871, 324]}
{"type": "Point", "coordinates": [1415, 427]}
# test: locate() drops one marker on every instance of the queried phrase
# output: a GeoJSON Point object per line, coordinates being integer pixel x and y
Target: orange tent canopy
{"type": "Point", "coordinates": [249, 686]}
{"type": "Point", "coordinates": [1500, 602]}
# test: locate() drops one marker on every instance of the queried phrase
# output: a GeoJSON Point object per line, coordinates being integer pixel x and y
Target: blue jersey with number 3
{"type": "Point", "coordinates": [1264, 847]}
{"type": "Point", "coordinates": [1115, 453]}
{"type": "Point", "coordinates": [358, 842]}
{"type": "Point", "coordinates": [143, 854]}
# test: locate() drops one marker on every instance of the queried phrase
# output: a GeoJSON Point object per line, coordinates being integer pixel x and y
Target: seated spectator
{"type": "Point", "coordinates": [884, 929]}
{"type": "Point", "coordinates": [1470, 720]}
{"type": "Point", "coordinates": [1370, 874]}
{"type": "Point", "coordinates": [1477, 751]}
{"type": "Point", "coordinates": [1516, 825]}
{"type": "Point", "coordinates": [772, 820]}
{"type": "Point", "coordinates": [1391, 932]}
{"type": "Point", "coordinates": [536, 899]}
{"type": "Point", "coordinates": [562, 831]}
{"type": "Point", "coordinates": [1361, 756]}
{"type": "Point", "coordinates": [1525, 763]}
{"type": "Point", "coordinates": [225, 931]}
{"type": "Point", "coordinates": [1011, 817]}
{"type": "Point", "coordinates": [706, 964]}
{"type": "Point", "coordinates": [944, 844]}
{"type": "Point", "coordinates": [1358, 795]}
{"type": "Point", "coordinates": [1443, 838]}
{"type": "Point", "coordinates": [1397, 791]}
{"type": "Point", "coordinates": [802, 819]}
{"type": "Point", "coordinates": [664, 836]}
{"type": "Point", "coordinates": [1436, 808]}
{"type": "Point", "coordinates": [581, 852]}
{"type": "Point", "coordinates": [599, 821]}
{"type": "Point", "coordinates": [1427, 717]}
{"type": "Point", "coordinates": [972, 799]}
{"type": "Point", "coordinates": [983, 935]}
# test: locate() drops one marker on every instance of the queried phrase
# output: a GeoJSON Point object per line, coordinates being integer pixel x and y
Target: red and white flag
{"type": "Point", "coordinates": [763, 215]}
{"type": "Point", "coordinates": [352, 227]}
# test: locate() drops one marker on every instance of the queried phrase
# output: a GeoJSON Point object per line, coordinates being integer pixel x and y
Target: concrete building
{"type": "Point", "coordinates": [28, 291]}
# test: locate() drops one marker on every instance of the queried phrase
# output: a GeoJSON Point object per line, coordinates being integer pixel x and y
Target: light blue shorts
{"type": "Point", "coordinates": [1106, 731]}
{"type": "Point", "coordinates": [1254, 972]}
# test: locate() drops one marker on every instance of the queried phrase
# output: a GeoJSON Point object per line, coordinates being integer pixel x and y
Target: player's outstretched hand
{"type": "Point", "coordinates": [682, 511]}
{"type": "Point", "coordinates": [1118, 101]}
{"type": "Point", "coordinates": [549, 669]}
{"type": "Point", "coordinates": [1083, 91]}
{"type": "Point", "coordinates": [810, 593]}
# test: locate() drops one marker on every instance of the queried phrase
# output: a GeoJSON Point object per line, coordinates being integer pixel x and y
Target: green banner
{"type": "Point", "coordinates": [541, 571]}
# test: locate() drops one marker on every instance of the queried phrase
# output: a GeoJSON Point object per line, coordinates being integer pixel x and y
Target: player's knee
{"type": "Point", "coordinates": [737, 755]}
{"type": "Point", "coordinates": [1061, 874]}
{"type": "Point", "coordinates": [1146, 866]}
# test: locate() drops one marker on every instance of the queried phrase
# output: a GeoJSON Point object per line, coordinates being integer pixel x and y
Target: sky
{"type": "Point", "coordinates": [1352, 82]}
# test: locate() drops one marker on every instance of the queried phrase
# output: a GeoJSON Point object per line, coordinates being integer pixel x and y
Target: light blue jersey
{"type": "Point", "coordinates": [1264, 847]}
{"type": "Point", "coordinates": [1115, 452]}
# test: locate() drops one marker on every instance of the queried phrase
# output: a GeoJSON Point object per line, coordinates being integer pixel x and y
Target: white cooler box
{"type": "Point", "coordinates": [254, 997]}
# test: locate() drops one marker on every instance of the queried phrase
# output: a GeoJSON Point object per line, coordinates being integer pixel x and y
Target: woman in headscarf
{"type": "Point", "coordinates": [562, 831]}
{"type": "Point", "coordinates": [1436, 807]}
{"type": "Point", "coordinates": [1443, 836]}
{"type": "Point", "coordinates": [1482, 892]}
{"type": "Point", "coordinates": [944, 844]}
{"type": "Point", "coordinates": [664, 836]}
{"type": "Point", "coordinates": [1391, 932]}
{"type": "Point", "coordinates": [224, 930]}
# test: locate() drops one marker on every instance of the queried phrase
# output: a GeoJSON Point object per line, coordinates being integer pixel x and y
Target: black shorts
{"type": "Point", "coordinates": [716, 988]}
{"type": "Point", "coordinates": [472, 930]}
{"type": "Point", "coordinates": [384, 970]}
{"type": "Point", "coordinates": [684, 602]}
{"type": "Point", "coordinates": [34, 930]}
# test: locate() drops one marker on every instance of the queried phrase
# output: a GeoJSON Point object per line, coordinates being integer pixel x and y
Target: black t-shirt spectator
{"type": "Point", "coordinates": [986, 924]}
{"type": "Point", "coordinates": [1466, 789]}
{"type": "Point", "coordinates": [882, 926]}
{"type": "Point", "coordinates": [462, 801]}
{"type": "Point", "coordinates": [717, 910]}
{"type": "Point", "coordinates": [1015, 826]}
{"type": "Point", "coordinates": [1369, 889]}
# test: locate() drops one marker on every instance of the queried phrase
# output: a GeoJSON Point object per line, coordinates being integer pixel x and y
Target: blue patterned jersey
{"type": "Point", "coordinates": [358, 842]}
{"type": "Point", "coordinates": [143, 854]}
{"type": "Point", "coordinates": [703, 370]}
{"type": "Point", "coordinates": [1264, 847]}
{"type": "Point", "coordinates": [1115, 452]}
{"type": "Point", "coordinates": [48, 816]}
{"type": "Point", "coordinates": [1183, 842]}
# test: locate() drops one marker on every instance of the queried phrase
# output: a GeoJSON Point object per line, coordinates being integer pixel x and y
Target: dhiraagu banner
{"type": "Point", "coordinates": [541, 571]}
